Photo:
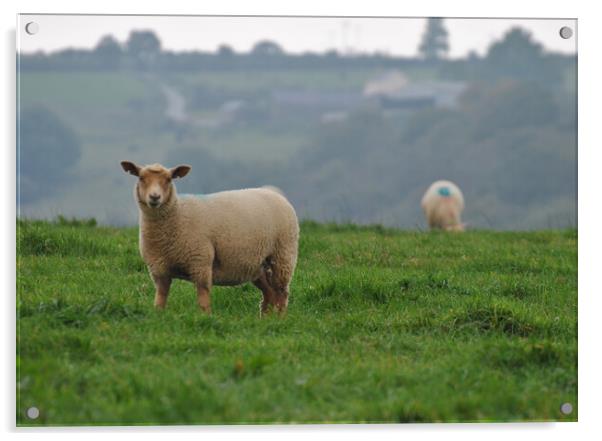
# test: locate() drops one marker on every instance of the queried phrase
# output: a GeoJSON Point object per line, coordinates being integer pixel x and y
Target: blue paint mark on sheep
{"type": "Point", "coordinates": [444, 191]}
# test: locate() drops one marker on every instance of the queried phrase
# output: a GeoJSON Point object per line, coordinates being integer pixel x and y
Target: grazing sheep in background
{"type": "Point", "coordinates": [443, 203]}
{"type": "Point", "coordinates": [225, 238]}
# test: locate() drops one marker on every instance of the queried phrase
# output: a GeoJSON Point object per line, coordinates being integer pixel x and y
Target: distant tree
{"type": "Point", "coordinates": [509, 104]}
{"type": "Point", "coordinates": [434, 44]}
{"type": "Point", "coordinates": [517, 47]}
{"type": "Point", "coordinates": [70, 58]}
{"type": "Point", "coordinates": [472, 55]}
{"type": "Point", "coordinates": [519, 57]}
{"type": "Point", "coordinates": [48, 151]}
{"type": "Point", "coordinates": [424, 121]}
{"type": "Point", "coordinates": [225, 50]}
{"type": "Point", "coordinates": [225, 56]}
{"type": "Point", "coordinates": [143, 47]}
{"type": "Point", "coordinates": [108, 51]}
{"type": "Point", "coordinates": [266, 47]}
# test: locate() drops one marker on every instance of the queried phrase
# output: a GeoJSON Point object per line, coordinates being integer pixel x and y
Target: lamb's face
{"type": "Point", "coordinates": [154, 187]}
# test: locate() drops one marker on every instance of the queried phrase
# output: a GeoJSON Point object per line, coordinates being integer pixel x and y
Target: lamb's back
{"type": "Point", "coordinates": [442, 193]}
{"type": "Point", "coordinates": [239, 217]}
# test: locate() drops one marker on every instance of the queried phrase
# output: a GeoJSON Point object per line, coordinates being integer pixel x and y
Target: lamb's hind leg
{"type": "Point", "coordinates": [267, 291]}
{"type": "Point", "coordinates": [204, 297]}
{"type": "Point", "coordinates": [282, 266]}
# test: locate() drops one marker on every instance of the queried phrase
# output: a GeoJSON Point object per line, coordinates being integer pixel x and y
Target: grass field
{"type": "Point", "coordinates": [383, 326]}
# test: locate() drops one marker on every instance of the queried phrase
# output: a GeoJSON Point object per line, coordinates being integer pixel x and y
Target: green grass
{"type": "Point", "coordinates": [383, 326]}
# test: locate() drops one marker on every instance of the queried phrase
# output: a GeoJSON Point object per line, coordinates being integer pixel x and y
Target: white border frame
{"type": "Point", "coordinates": [589, 79]}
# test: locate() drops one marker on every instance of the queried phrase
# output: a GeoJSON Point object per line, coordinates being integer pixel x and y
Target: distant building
{"type": "Point", "coordinates": [394, 90]}
{"type": "Point", "coordinates": [391, 90]}
{"type": "Point", "coordinates": [385, 84]}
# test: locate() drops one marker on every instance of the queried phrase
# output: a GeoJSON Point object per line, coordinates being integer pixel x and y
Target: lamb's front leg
{"type": "Point", "coordinates": [203, 283]}
{"type": "Point", "coordinates": [162, 284]}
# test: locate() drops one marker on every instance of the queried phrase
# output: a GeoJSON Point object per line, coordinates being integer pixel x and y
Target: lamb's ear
{"type": "Point", "coordinates": [180, 171]}
{"type": "Point", "coordinates": [130, 167]}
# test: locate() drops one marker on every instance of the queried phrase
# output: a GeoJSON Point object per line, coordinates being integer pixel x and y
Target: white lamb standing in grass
{"type": "Point", "coordinates": [225, 238]}
{"type": "Point", "coordinates": [442, 204]}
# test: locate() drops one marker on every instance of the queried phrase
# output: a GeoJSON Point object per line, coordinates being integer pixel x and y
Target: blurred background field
{"type": "Point", "coordinates": [349, 136]}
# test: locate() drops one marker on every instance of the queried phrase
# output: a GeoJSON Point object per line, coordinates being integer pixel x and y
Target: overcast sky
{"type": "Point", "coordinates": [398, 36]}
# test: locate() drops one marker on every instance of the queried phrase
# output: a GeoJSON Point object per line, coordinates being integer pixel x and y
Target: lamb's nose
{"type": "Point", "coordinates": [154, 197]}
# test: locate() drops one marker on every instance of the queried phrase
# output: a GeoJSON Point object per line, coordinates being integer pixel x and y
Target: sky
{"type": "Point", "coordinates": [395, 36]}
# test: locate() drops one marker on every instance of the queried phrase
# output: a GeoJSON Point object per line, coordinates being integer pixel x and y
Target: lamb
{"type": "Point", "coordinates": [442, 204]}
{"type": "Point", "coordinates": [225, 238]}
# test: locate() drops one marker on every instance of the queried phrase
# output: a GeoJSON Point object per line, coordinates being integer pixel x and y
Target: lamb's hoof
{"type": "Point", "coordinates": [272, 311]}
